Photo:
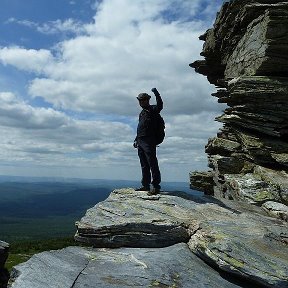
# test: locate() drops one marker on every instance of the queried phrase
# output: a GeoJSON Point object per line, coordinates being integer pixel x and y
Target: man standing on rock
{"type": "Point", "coordinates": [145, 142]}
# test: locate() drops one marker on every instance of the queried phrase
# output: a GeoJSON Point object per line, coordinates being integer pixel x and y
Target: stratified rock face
{"type": "Point", "coordinates": [4, 247]}
{"type": "Point", "coordinates": [233, 236]}
{"type": "Point", "coordinates": [121, 215]}
{"type": "Point", "coordinates": [246, 57]}
{"type": "Point", "coordinates": [249, 38]}
{"type": "Point", "coordinates": [202, 180]}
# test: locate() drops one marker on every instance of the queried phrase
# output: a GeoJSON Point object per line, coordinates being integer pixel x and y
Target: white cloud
{"type": "Point", "coordinates": [26, 59]}
{"type": "Point", "coordinates": [105, 70]}
{"type": "Point", "coordinates": [118, 55]}
{"type": "Point", "coordinates": [17, 113]}
{"type": "Point", "coordinates": [58, 26]}
{"type": "Point", "coordinates": [27, 23]}
{"type": "Point", "coordinates": [52, 27]}
{"type": "Point", "coordinates": [43, 135]}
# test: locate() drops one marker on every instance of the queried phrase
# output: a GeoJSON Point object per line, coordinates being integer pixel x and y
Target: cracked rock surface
{"type": "Point", "coordinates": [76, 267]}
{"type": "Point", "coordinates": [232, 237]}
{"type": "Point", "coordinates": [133, 219]}
{"type": "Point", "coordinates": [235, 237]}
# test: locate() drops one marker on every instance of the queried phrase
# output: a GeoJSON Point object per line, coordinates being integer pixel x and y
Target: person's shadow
{"type": "Point", "coordinates": [204, 199]}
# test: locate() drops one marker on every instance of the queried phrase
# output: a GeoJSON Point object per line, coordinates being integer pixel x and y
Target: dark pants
{"type": "Point", "coordinates": [149, 162]}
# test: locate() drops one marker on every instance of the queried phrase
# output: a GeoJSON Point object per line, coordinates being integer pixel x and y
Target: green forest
{"type": "Point", "coordinates": [38, 216]}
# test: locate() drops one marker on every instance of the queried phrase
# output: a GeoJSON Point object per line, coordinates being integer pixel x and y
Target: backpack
{"type": "Point", "coordinates": [159, 127]}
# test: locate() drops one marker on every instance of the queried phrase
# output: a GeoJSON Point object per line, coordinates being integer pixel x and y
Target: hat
{"type": "Point", "coordinates": [143, 96]}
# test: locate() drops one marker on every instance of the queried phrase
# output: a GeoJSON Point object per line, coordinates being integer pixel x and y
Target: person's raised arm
{"type": "Point", "coordinates": [159, 101]}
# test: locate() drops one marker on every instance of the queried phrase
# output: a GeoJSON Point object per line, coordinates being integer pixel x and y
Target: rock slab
{"type": "Point", "coordinates": [134, 219]}
{"type": "Point", "coordinates": [77, 267]}
{"type": "Point", "coordinates": [242, 246]}
{"type": "Point", "coordinates": [235, 237]}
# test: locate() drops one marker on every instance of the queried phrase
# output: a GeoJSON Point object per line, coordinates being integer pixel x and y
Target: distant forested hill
{"type": "Point", "coordinates": [41, 208]}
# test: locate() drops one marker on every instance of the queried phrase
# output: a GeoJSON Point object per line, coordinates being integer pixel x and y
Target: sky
{"type": "Point", "coordinates": [70, 71]}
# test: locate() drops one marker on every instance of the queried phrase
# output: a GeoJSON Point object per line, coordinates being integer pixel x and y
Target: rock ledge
{"type": "Point", "coordinates": [235, 238]}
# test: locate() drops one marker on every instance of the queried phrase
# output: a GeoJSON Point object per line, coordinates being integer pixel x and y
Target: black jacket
{"type": "Point", "coordinates": [145, 126]}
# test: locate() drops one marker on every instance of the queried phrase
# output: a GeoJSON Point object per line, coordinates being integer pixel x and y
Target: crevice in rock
{"type": "Point", "coordinates": [79, 274]}
{"type": "Point", "coordinates": [244, 282]}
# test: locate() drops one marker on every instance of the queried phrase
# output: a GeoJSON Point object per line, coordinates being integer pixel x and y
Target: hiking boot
{"type": "Point", "coordinates": [154, 191]}
{"type": "Point", "coordinates": [143, 188]}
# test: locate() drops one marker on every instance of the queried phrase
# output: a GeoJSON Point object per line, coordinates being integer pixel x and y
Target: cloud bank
{"type": "Point", "coordinates": [89, 85]}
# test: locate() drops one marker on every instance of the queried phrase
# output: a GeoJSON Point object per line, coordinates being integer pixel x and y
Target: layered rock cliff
{"type": "Point", "coordinates": [246, 58]}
